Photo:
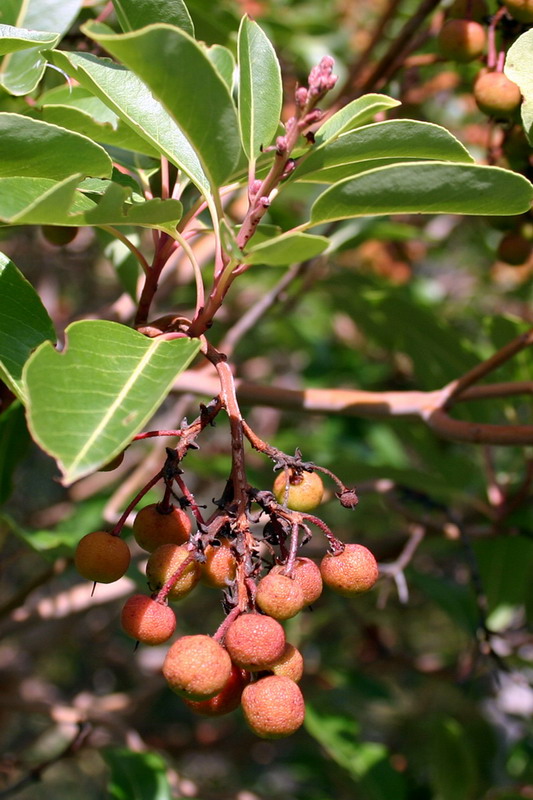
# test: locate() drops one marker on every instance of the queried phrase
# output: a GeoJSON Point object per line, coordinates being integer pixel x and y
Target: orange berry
{"type": "Point", "coordinates": [147, 620]}
{"type": "Point", "coordinates": [290, 663]}
{"type": "Point", "coordinates": [197, 667]}
{"type": "Point", "coordinates": [254, 641]}
{"type": "Point", "coordinates": [307, 574]}
{"type": "Point", "coordinates": [219, 566]}
{"type": "Point", "coordinates": [461, 40]}
{"type": "Point", "coordinates": [305, 492]}
{"type": "Point", "coordinates": [102, 557]}
{"type": "Point", "coordinates": [279, 596]}
{"type": "Point", "coordinates": [496, 95]}
{"type": "Point", "coordinates": [273, 707]}
{"type": "Point", "coordinates": [228, 699]}
{"type": "Point", "coordinates": [153, 527]}
{"type": "Point", "coordinates": [164, 562]}
{"type": "Point", "coordinates": [514, 249]}
{"type": "Point", "coordinates": [350, 572]}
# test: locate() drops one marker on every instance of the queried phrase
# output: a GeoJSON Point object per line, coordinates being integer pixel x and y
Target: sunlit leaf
{"type": "Point", "coordinates": [287, 249]}
{"type": "Point", "coordinates": [518, 69]}
{"type": "Point", "coordinates": [134, 14]}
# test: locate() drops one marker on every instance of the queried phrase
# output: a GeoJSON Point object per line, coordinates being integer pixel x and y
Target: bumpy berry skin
{"type": "Point", "coordinates": [496, 95]}
{"type": "Point", "coordinates": [59, 235]}
{"type": "Point", "coordinates": [147, 621]}
{"type": "Point", "coordinates": [290, 664]}
{"type": "Point", "coordinates": [279, 596]}
{"type": "Point", "coordinates": [461, 40]}
{"type": "Point", "coordinates": [254, 641]}
{"type": "Point", "coordinates": [219, 566]}
{"type": "Point", "coordinates": [164, 562]}
{"type": "Point", "coordinates": [514, 249]}
{"type": "Point", "coordinates": [152, 528]}
{"type": "Point", "coordinates": [102, 557]}
{"type": "Point", "coordinates": [273, 707]}
{"type": "Point", "coordinates": [197, 667]}
{"type": "Point", "coordinates": [307, 574]}
{"type": "Point", "coordinates": [306, 490]}
{"type": "Point", "coordinates": [227, 700]}
{"type": "Point", "coordinates": [350, 572]}
{"type": "Point", "coordinates": [521, 10]}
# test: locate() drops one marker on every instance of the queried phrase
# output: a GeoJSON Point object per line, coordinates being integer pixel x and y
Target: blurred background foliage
{"type": "Point", "coordinates": [421, 689]}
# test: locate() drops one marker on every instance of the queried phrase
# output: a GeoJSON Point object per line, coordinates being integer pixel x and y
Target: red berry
{"type": "Point", "coordinates": [197, 667]}
{"type": "Point", "coordinates": [219, 566]}
{"type": "Point", "coordinates": [273, 707]}
{"type": "Point", "coordinates": [228, 699]}
{"type": "Point", "coordinates": [147, 620]}
{"type": "Point", "coordinates": [290, 664]}
{"type": "Point", "coordinates": [162, 565]}
{"type": "Point", "coordinates": [307, 574]}
{"type": "Point", "coordinates": [279, 596]}
{"type": "Point", "coordinates": [350, 572]}
{"type": "Point", "coordinates": [496, 95]}
{"type": "Point", "coordinates": [153, 527]}
{"type": "Point", "coordinates": [254, 641]}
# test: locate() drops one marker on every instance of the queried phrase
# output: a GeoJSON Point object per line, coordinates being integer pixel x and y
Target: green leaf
{"type": "Point", "coordinates": [358, 112]}
{"type": "Point", "coordinates": [24, 324]}
{"type": "Point", "coordinates": [134, 14]}
{"type": "Point", "coordinates": [79, 110]}
{"type": "Point", "coordinates": [21, 71]}
{"type": "Point", "coordinates": [505, 565]}
{"type": "Point", "coordinates": [13, 39]}
{"type": "Point", "coordinates": [397, 138]}
{"type": "Point", "coordinates": [260, 90]}
{"type": "Point", "coordinates": [14, 441]}
{"type": "Point", "coordinates": [451, 763]}
{"type": "Point", "coordinates": [427, 188]}
{"type": "Point", "coordinates": [41, 201]}
{"type": "Point", "coordinates": [136, 776]}
{"type": "Point", "coordinates": [222, 59]}
{"type": "Point", "coordinates": [123, 92]}
{"type": "Point", "coordinates": [518, 69]}
{"type": "Point", "coordinates": [287, 249]}
{"type": "Point", "coordinates": [197, 97]}
{"type": "Point", "coordinates": [329, 175]}
{"type": "Point", "coordinates": [40, 150]}
{"type": "Point", "coordinates": [87, 402]}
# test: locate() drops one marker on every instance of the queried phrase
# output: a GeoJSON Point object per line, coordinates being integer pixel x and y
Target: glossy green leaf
{"type": "Point", "coordinates": [329, 175]}
{"type": "Point", "coordinates": [397, 138]}
{"type": "Point", "coordinates": [196, 97]}
{"type": "Point", "coordinates": [135, 14]}
{"type": "Point", "coordinates": [427, 188]}
{"type": "Point", "coordinates": [13, 39]}
{"type": "Point", "coordinates": [123, 92]}
{"type": "Point", "coordinates": [79, 110]}
{"type": "Point", "coordinates": [29, 147]}
{"type": "Point", "coordinates": [24, 324]}
{"type": "Point", "coordinates": [223, 61]}
{"type": "Point", "coordinates": [288, 248]}
{"type": "Point", "coordinates": [136, 776]}
{"type": "Point", "coordinates": [518, 69]}
{"type": "Point", "coordinates": [42, 201]}
{"type": "Point", "coordinates": [14, 441]}
{"type": "Point", "coordinates": [260, 92]}
{"type": "Point", "coordinates": [20, 72]}
{"type": "Point", "coordinates": [358, 112]}
{"type": "Point", "coordinates": [87, 402]}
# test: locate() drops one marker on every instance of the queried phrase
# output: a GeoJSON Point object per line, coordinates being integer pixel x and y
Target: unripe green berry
{"type": "Point", "coordinates": [350, 572]}
{"type": "Point", "coordinates": [461, 40]}
{"type": "Point", "coordinates": [102, 557]}
{"type": "Point", "coordinates": [228, 699]}
{"type": "Point", "coordinates": [521, 10]}
{"type": "Point", "coordinates": [153, 527]}
{"type": "Point", "coordinates": [273, 707]}
{"type": "Point", "coordinates": [279, 596]}
{"type": "Point", "coordinates": [147, 620]}
{"type": "Point", "coordinates": [496, 95]}
{"type": "Point", "coordinates": [197, 667]}
{"type": "Point", "coordinates": [162, 565]}
{"type": "Point", "coordinates": [305, 490]}
{"type": "Point", "coordinates": [254, 641]}
{"type": "Point", "coordinates": [219, 566]}
{"type": "Point", "coordinates": [290, 664]}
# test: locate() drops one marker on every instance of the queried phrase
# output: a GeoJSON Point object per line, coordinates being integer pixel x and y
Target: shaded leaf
{"type": "Point", "coordinates": [397, 138]}
{"type": "Point", "coordinates": [427, 188]}
{"type": "Point", "coordinates": [260, 90]}
{"type": "Point", "coordinates": [14, 441]}
{"type": "Point", "coordinates": [222, 59]}
{"type": "Point", "coordinates": [136, 776]}
{"type": "Point", "coordinates": [123, 92]}
{"type": "Point", "coordinates": [358, 112]}
{"type": "Point", "coordinates": [134, 14]}
{"type": "Point", "coordinates": [518, 69]}
{"type": "Point", "coordinates": [24, 324]}
{"type": "Point", "coordinates": [40, 150]}
{"type": "Point", "coordinates": [287, 249]}
{"type": "Point", "coordinates": [451, 762]}
{"type": "Point", "coordinates": [87, 402]}
{"type": "Point", "coordinates": [197, 97]}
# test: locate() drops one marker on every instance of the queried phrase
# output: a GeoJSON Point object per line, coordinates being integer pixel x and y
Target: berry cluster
{"type": "Point", "coordinates": [263, 577]}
